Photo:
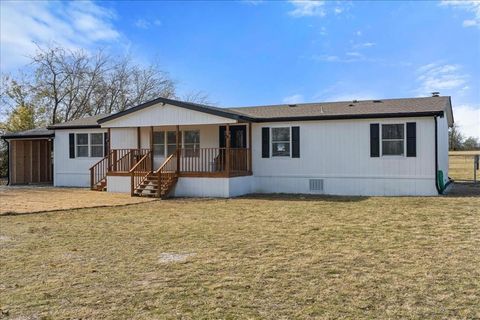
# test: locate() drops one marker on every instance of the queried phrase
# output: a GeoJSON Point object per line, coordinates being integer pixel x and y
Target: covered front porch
{"type": "Point", "coordinates": [152, 159]}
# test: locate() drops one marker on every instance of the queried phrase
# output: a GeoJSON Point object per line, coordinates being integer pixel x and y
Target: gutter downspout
{"type": "Point", "coordinates": [439, 190]}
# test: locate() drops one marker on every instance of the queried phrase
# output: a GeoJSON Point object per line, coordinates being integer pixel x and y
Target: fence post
{"type": "Point", "coordinates": [475, 167]}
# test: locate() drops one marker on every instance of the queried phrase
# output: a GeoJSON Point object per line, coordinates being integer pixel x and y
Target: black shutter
{"type": "Point", "coordinates": [411, 139]}
{"type": "Point", "coordinates": [105, 144]}
{"type": "Point", "coordinates": [265, 142]}
{"type": "Point", "coordinates": [374, 140]}
{"type": "Point", "coordinates": [71, 140]}
{"type": "Point", "coordinates": [295, 142]}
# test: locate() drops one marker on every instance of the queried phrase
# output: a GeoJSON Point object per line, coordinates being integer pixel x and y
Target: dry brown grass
{"type": "Point", "coordinates": [257, 257]}
{"type": "Point", "coordinates": [15, 200]}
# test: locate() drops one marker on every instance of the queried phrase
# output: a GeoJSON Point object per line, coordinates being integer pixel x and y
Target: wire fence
{"type": "Point", "coordinates": [464, 166]}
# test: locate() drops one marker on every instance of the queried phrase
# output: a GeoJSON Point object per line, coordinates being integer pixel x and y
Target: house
{"type": "Point", "coordinates": [167, 147]}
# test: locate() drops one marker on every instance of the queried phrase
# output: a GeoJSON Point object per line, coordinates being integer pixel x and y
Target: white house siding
{"type": "Point", "coordinates": [338, 151]}
{"type": "Point", "coordinates": [118, 184]}
{"type": "Point", "coordinates": [158, 115]}
{"type": "Point", "coordinates": [213, 187]}
{"type": "Point", "coordinates": [71, 172]}
{"type": "Point", "coordinates": [442, 125]}
{"type": "Point", "coordinates": [123, 138]}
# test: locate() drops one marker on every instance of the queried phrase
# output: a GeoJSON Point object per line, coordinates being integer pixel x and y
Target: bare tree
{"type": "Point", "coordinates": [69, 84]}
{"type": "Point", "coordinates": [455, 138]}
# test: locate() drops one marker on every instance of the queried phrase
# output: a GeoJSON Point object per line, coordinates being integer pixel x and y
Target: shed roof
{"type": "Point", "coordinates": [30, 134]}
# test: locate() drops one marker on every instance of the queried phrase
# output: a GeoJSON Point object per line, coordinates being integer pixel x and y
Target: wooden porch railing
{"type": "Point", "coordinates": [215, 161]}
{"type": "Point", "coordinates": [140, 171]}
{"type": "Point", "coordinates": [124, 159]}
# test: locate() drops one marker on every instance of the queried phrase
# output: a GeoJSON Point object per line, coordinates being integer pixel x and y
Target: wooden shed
{"type": "Point", "coordinates": [30, 157]}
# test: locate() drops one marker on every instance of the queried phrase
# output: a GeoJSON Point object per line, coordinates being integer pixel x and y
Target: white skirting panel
{"type": "Point", "coordinates": [194, 187]}
{"type": "Point", "coordinates": [347, 186]}
{"type": "Point", "coordinates": [234, 187]}
{"type": "Point", "coordinates": [118, 184]}
{"type": "Point", "coordinates": [72, 179]}
{"type": "Point", "coordinates": [213, 187]}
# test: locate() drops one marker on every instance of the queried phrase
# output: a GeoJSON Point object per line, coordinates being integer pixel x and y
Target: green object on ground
{"type": "Point", "coordinates": [441, 184]}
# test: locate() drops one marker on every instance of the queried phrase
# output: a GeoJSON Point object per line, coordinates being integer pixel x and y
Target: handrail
{"type": "Point", "coordinates": [99, 170]}
{"type": "Point", "coordinates": [164, 163]}
{"type": "Point", "coordinates": [96, 163]}
{"type": "Point", "coordinates": [168, 173]}
{"type": "Point", "coordinates": [140, 171]}
{"type": "Point", "coordinates": [139, 162]}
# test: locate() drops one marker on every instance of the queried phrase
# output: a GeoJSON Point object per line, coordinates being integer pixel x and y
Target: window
{"type": "Point", "coordinates": [96, 145]}
{"type": "Point", "coordinates": [172, 141]}
{"type": "Point", "coordinates": [82, 145]}
{"type": "Point", "coordinates": [165, 143]}
{"type": "Point", "coordinates": [89, 145]}
{"type": "Point", "coordinates": [159, 143]}
{"type": "Point", "coordinates": [281, 142]}
{"type": "Point", "coordinates": [191, 143]}
{"type": "Point", "coordinates": [393, 141]}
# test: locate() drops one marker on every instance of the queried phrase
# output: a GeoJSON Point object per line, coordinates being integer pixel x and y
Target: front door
{"type": "Point", "coordinates": [238, 137]}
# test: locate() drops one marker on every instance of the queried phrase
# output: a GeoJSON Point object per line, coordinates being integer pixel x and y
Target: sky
{"type": "Point", "coordinates": [268, 52]}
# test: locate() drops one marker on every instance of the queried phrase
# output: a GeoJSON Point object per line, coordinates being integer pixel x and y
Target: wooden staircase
{"type": "Point", "coordinates": [150, 186]}
{"type": "Point", "coordinates": [100, 185]}
{"type": "Point", "coordinates": [148, 183]}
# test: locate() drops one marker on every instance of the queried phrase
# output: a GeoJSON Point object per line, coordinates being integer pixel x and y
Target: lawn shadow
{"type": "Point", "coordinates": [464, 189]}
{"type": "Point", "coordinates": [303, 197]}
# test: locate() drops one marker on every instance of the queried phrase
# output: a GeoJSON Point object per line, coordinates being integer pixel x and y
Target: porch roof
{"type": "Point", "coordinates": [221, 112]}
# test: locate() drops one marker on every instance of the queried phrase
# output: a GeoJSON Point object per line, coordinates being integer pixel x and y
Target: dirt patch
{"type": "Point", "coordinates": [465, 189]}
{"type": "Point", "coordinates": [20, 200]}
{"type": "Point", "coordinates": [169, 257]}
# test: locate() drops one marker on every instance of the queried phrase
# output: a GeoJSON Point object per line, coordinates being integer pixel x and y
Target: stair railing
{"type": "Point", "coordinates": [140, 171]}
{"type": "Point", "coordinates": [167, 172]}
{"type": "Point", "coordinates": [99, 170]}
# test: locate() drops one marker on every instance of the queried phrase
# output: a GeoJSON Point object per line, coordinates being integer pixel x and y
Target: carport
{"type": "Point", "coordinates": [30, 157]}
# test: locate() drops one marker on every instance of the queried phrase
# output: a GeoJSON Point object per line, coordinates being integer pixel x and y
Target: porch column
{"type": "Point", "coordinates": [249, 150]}
{"type": "Point", "coordinates": [139, 143]}
{"type": "Point", "coordinates": [227, 150]}
{"type": "Point", "coordinates": [109, 160]}
{"type": "Point", "coordinates": [151, 147]}
{"type": "Point", "coordinates": [177, 140]}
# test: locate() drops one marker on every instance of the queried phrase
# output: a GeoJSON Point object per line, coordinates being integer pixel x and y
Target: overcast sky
{"type": "Point", "coordinates": [259, 52]}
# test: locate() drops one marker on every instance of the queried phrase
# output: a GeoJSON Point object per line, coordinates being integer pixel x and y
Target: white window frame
{"type": "Point", "coordinates": [88, 145]}
{"type": "Point", "coordinates": [290, 141]}
{"type": "Point", "coordinates": [197, 153]}
{"type": "Point", "coordinates": [404, 140]}
{"type": "Point", "coordinates": [164, 143]}
{"type": "Point", "coordinates": [182, 141]}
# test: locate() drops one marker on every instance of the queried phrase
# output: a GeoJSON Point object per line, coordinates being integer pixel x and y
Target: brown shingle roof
{"type": "Point", "coordinates": [29, 134]}
{"type": "Point", "coordinates": [87, 122]}
{"type": "Point", "coordinates": [347, 109]}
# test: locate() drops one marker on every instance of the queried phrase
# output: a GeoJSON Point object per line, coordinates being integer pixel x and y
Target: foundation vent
{"type": "Point", "coordinates": [316, 184]}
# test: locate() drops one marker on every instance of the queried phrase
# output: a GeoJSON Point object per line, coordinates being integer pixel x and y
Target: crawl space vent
{"type": "Point", "coordinates": [316, 184]}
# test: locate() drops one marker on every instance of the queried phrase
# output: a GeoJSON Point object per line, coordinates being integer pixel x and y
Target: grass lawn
{"type": "Point", "coordinates": [257, 257]}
